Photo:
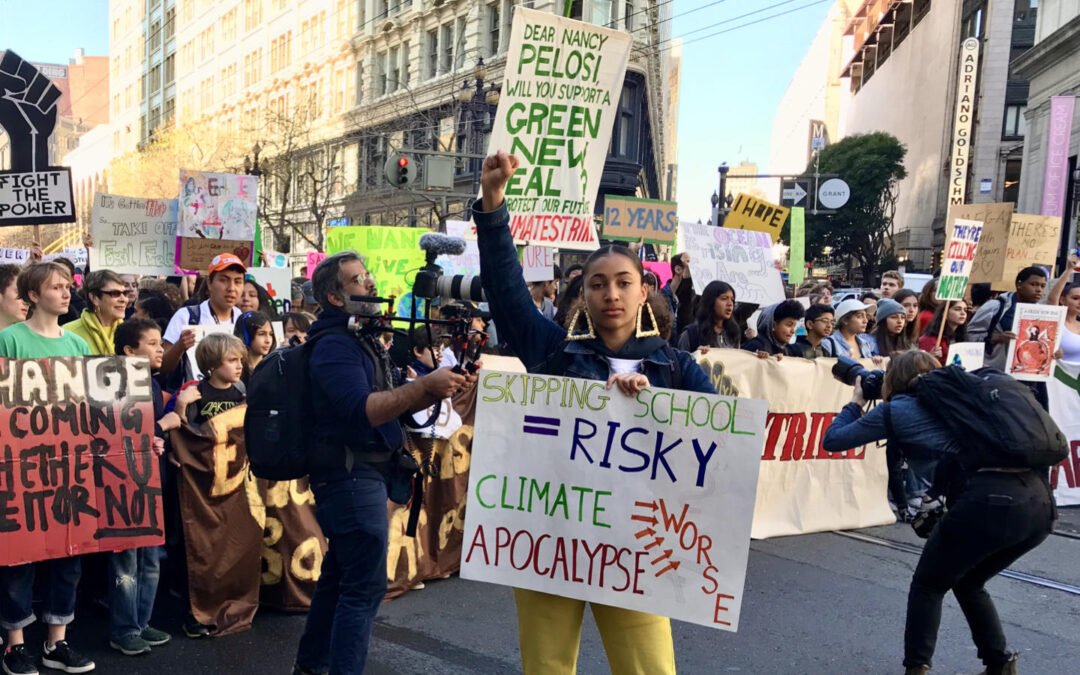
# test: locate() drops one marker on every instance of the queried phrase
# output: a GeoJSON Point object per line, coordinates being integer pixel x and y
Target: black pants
{"type": "Point", "coordinates": [894, 459]}
{"type": "Point", "coordinates": [998, 518]}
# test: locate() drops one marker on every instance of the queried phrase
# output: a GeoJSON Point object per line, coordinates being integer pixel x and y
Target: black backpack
{"type": "Point", "coordinates": [995, 418]}
{"type": "Point", "coordinates": [277, 427]}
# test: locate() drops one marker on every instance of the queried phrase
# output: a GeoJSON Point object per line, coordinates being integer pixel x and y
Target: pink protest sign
{"type": "Point", "coordinates": [662, 270]}
{"type": "Point", "coordinates": [313, 260]}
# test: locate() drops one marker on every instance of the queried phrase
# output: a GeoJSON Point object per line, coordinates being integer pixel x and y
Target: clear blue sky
{"type": "Point", "coordinates": [49, 31]}
{"type": "Point", "coordinates": [731, 85]}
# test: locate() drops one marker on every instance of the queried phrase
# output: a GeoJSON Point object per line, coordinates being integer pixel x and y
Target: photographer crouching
{"type": "Point", "coordinates": [358, 441]}
{"type": "Point", "coordinates": [1002, 511]}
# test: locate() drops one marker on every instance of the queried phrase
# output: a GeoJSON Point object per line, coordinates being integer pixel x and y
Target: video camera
{"type": "Point", "coordinates": [431, 283]}
{"type": "Point", "coordinates": [846, 370]}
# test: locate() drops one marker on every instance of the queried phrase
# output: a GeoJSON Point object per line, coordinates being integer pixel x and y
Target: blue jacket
{"type": "Point", "coordinates": [539, 342]}
{"type": "Point", "coordinates": [866, 343]}
{"type": "Point", "coordinates": [342, 377]}
{"type": "Point", "coordinates": [918, 430]}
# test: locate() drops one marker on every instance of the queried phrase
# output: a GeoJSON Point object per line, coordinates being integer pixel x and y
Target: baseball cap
{"type": "Point", "coordinates": [224, 262]}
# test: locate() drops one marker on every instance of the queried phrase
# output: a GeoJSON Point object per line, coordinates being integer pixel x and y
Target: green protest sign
{"type": "Point", "coordinates": [393, 253]}
{"type": "Point", "coordinates": [797, 252]}
{"type": "Point", "coordinates": [563, 81]}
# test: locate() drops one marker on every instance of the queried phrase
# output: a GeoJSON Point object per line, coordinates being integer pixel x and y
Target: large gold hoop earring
{"type": "Point", "coordinates": [571, 335]}
{"type": "Point", "coordinates": [641, 332]}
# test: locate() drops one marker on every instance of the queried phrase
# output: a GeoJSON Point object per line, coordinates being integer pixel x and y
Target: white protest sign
{"type": "Point", "coordinates": [466, 263]}
{"type": "Point", "coordinates": [1038, 334]}
{"type": "Point", "coordinates": [967, 355]}
{"type": "Point", "coordinates": [133, 236]}
{"type": "Point", "coordinates": [963, 240]}
{"type": "Point", "coordinates": [278, 285]}
{"type": "Point", "coordinates": [275, 259]}
{"type": "Point", "coordinates": [643, 503]}
{"type": "Point", "coordinates": [14, 256]}
{"type": "Point", "coordinates": [200, 333]}
{"type": "Point", "coordinates": [538, 263]}
{"type": "Point", "coordinates": [77, 256]}
{"type": "Point", "coordinates": [556, 111]}
{"type": "Point", "coordinates": [1063, 392]}
{"type": "Point", "coordinates": [45, 197]}
{"type": "Point", "coordinates": [279, 332]}
{"type": "Point", "coordinates": [742, 258]}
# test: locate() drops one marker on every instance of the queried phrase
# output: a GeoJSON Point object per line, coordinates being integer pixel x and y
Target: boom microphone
{"type": "Point", "coordinates": [436, 244]}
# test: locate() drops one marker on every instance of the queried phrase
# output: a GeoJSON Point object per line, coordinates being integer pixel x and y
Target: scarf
{"type": "Point", "coordinates": [102, 340]}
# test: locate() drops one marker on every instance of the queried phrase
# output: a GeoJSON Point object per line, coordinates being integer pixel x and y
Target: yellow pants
{"type": "Point", "coordinates": [549, 630]}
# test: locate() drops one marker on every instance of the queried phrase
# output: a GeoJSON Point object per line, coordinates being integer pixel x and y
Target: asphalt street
{"type": "Point", "coordinates": [822, 603]}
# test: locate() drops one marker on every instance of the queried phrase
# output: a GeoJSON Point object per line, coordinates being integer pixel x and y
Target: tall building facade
{"type": "Point", "coordinates": [369, 78]}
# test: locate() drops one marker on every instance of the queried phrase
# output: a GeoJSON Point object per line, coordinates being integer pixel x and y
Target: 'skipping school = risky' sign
{"type": "Point", "coordinates": [77, 470]}
{"type": "Point", "coordinates": [644, 503]}
{"type": "Point", "coordinates": [963, 241]}
{"type": "Point", "coordinates": [563, 81]}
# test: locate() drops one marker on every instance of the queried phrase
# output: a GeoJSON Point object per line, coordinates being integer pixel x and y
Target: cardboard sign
{"type": "Point", "coordinates": [14, 256]}
{"type": "Point", "coordinates": [278, 285]}
{"type": "Point", "coordinates": [1038, 335]}
{"type": "Point", "coordinates": [582, 492]}
{"type": "Point", "coordinates": [77, 472]}
{"type": "Point", "coordinates": [393, 256]}
{"type": "Point", "coordinates": [313, 260]}
{"type": "Point", "coordinates": [631, 219]}
{"type": "Point", "coordinates": [38, 198]}
{"type": "Point", "coordinates": [748, 213]}
{"type": "Point", "coordinates": [962, 242]}
{"type": "Point", "coordinates": [558, 104]}
{"type": "Point", "coordinates": [1033, 240]}
{"type": "Point", "coordinates": [133, 236]}
{"type": "Point", "coordinates": [967, 355]}
{"type": "Point", "coordinates": [743, 259]}
{"type": "Point", "coordinates": [217, 215]}
{"type": "Point", "coordinates": [538, 263]}
{"type": "Point", "coordinates": [990, 256]}
{"type": "Point", "coordinates": [1063, 392]}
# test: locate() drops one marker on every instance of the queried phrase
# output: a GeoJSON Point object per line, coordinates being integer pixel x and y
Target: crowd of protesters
{"type": "Point", "coordinates": [619, 333]}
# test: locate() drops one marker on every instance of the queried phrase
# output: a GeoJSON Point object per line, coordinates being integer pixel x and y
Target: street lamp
{"type": "Point", "coordinates": [715, 200]}
{"type": "Point", "coordinates": [721, 214]}
{"type": "Point", "coordinates": [477, 108]}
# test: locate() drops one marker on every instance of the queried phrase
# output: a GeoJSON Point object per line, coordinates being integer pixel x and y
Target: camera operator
{"type": "Point", "coordinates": [1000, 514]}
{"type": "Point", "coordinates": [356, 409]}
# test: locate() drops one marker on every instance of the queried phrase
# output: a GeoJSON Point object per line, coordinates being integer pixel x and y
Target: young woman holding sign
{"type": "Point", "coordinates": [614, 337]}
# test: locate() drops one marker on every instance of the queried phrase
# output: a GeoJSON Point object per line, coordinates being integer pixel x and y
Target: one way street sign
{"type": "Point", "coordinates": [794, 192]}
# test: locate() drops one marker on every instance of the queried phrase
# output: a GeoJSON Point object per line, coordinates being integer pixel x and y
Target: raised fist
{"type": "Point", "coordinates": [27, 112]}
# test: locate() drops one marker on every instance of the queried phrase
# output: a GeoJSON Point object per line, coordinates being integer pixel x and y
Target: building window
{"type": "Point", "coordinates": [461, 36]}
{"type": "Point", "coordinates": [494, 25]}
{"type": "Point", "coordinates": [394, 72]}
{"type": "Point", "coordinates": [432, 53]}
{"type": "Point", "coordinates": [405, 64]}
{"type": "Point", "coordinates": [1015, 124]}
{"type": "Point", "coordinates": [380, 74]}
{"type": "Point", "coordinates": [170, 23]}
{"type": "Point", "coordinates": [169, 111]}
{"type": "Point", "coordinates": [623, 142]}
{"type": "Point", "coordinates": [252, 14]}
{"type": "Point", "coordinates": [628, 17]}
{"type": "Point", "coordinates": [1012, 180]}
{"type": "Point", "coordinates": [1026, 11]}
{"type": "Point", "coordinates": [973, 24]}
{"type": "Point", "coordinates": [447, 48]}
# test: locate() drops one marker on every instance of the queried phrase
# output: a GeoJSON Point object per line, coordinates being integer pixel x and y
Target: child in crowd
{"type": "Point", "coordinates": [891, 330]}
{"type": "Point", "coordinates": [134, 573]}
{"type": "Point", "coordinates": [12, 307]}
{"type": "Point", "coordinates": [296, 325]}
{"type": "Point", "coordinates": [257, 334]}
{"type": "Point", "coordinates": [819, 325]}
{"type": "Point", "coordinates": [220, 359]}
{"type": "Point", "coordinates": [46, 288]}
{"type": "Point", "coordinates": [955, 330]}
{"type": "Point", "coordinates": [776, 327]}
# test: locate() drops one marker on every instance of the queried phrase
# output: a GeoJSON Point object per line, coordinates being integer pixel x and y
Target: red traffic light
{"type": "Point", "coordinates": [403, 162]}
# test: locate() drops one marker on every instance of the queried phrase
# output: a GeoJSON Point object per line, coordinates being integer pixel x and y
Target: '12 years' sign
{"type": "Point", "coordinates": [644, 503]}
{"type": "Point", "coordinates": [77, 470]}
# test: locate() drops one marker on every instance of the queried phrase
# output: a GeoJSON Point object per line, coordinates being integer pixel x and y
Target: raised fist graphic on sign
{"type": "Point", "coordinates": [27, 112]}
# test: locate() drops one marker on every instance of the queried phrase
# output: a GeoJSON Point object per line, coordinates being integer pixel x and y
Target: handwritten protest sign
{"type": "Point", "coordinates": [274, 259]}
{"type": "Point", "coordinates": [967, 355]}
{"type": "Point", "coordinates": [990, 256]}
{"type": "Point", "coordinates": [77, 472]}
{"type": "Point", "coordinates": [313, 260]}
{"type": "Point", "coordinates": [1038, 335]}
{"type": "Point", "coordinates": [558, 103]}
{"type": "Point", "coordinates": [963, 241]}
{"type": "Point", "coordinates": [538, 263]}
{"type": "Point", "coordinates": [42, 197]}
{"type": "Point", "coordinates": [1033, 240]}
{"type": "Point", "coordinates": [469, 261]}
{"type": "Point", "coordinates": [217, 209]}
{"type": "Point", "coordinates": [742, 258]}
{"type": "Point", "coordinates": [77, 256]}
{"type": "Point", "coordinates": [200, 332]}
{"type": "Point", "coordinates": [133, 236]}
{"type": "Point", "coordinates": [797, 252]}
{"type": "Point", "coordinates": [749, 213]}
{"type": "Point", "coordinates": [578, 491]}
{"type": "Point", "coordinates": [278, 285]}
{"type": "Point", "coordinates": [662, 270]}
{"type": "Point", "coordinates": [14, 256]}
{"type": "Point", "coordinates": [631, 219]}
{"type": "Point", "coordinates": [393, 255]}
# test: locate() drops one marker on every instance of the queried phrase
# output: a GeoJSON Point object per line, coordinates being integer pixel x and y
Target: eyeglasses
{"type": "Point", "coordinates": [364, 279]}
{"type": "Point", "coordinates": [113, 293]}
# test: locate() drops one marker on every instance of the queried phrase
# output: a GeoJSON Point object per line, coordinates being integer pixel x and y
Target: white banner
{"type": "Point", "coordinates": [278, 284]}
{"type": "Point", "coordinates": [77, 256]}
{"type": "Point", "coordinates": [1064, 393]}
{"type": "Point", "coordinates": [133, 236]}
{"type": "Point", "coordinates": [1038, 334]}
{"type": "Point", "coordinates": [643, 503]}
{"type": "Point", "coordinates": [538, 263]}
{"type": "Point", "coordinates": [556, 111]}
{"type": "Point", "coordinates": [14, 256]}
{"type": "Point", "coordinates": [742, 258]}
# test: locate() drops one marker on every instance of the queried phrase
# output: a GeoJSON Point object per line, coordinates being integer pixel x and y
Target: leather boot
{"type": "Point", "coordinates": [917, 670]}
{"type": "Point", "coordinates": [1004, 668]}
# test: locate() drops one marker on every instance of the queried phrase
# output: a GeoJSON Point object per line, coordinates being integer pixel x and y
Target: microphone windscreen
{"type": "Point", "coordinates": [441, 244]}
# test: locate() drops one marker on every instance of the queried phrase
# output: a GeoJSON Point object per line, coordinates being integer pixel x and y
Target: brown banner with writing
{"type": "Point", "coordinates": [293, 545]}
